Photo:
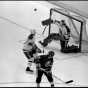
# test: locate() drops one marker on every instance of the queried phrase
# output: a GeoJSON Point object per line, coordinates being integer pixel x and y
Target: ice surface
{"type": "Point", "coordinates": [13, 62]}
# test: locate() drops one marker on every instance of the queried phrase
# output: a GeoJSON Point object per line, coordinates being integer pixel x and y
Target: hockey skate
{"type": "Point", "coordinates": [28, 70]}
{"type": "Point", "coordinates": [52, 85]}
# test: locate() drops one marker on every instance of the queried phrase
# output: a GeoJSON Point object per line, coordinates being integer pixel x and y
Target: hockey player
{"type": "Point", "coordinates": [51, 36]}
{"type": "Point", "coordinates": [44, 66]}
{"type": "Point", "coordinates": [66, 32]}
{"type": "Point", "coordinates": [30, 48]}
{"type": "Point", "coordinates": [63, 35]}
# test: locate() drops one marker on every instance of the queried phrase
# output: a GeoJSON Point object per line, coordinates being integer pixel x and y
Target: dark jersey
{"type": "Point", "coordinates": [45, 62]}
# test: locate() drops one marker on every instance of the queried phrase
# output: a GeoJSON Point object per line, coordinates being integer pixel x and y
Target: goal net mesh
{"type": "Point", "coordinates": [73, 24]}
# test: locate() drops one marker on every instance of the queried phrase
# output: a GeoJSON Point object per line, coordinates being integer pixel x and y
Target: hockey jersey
{"type": "Point", "coordinates": [28, 45]}
{"type": "Point", "coordinates": [45, 62]}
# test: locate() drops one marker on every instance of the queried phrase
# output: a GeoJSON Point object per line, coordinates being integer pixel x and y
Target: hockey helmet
{"type": "Point", "coordinates": [51, 53]}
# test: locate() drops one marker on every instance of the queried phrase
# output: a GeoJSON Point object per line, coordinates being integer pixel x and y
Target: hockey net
{"type": "Point", "coordinates": [75, 23]}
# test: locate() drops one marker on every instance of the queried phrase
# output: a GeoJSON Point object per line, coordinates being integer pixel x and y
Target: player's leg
{"type": "Point", "coordinates": [28, 56]}
{"type": "Point", "coordinates": [39, 76]}
{"type": "Point", "coordinates": [49, 77]}
{"type": "Point", "coordinates": [62, 43]}
{"type": "Point", "coordinates": [28, 68]}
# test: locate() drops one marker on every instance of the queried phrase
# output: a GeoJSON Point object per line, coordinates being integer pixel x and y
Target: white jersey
{"type": "Point", "coordinates": [28, 45]}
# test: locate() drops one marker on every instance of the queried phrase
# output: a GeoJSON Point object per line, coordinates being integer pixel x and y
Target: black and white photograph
{"type": "Point", "coordinates": [44, 43]}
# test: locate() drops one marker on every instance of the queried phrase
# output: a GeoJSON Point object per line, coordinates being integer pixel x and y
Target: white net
{"type": "Point", "coordinates": [73, 24]}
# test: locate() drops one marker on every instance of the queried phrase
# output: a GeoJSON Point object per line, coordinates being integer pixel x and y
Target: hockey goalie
{"type": "Point", "coordinates": [63, 35]}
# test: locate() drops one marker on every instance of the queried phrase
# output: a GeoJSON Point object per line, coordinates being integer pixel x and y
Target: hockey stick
{"type": "Point", "coordinates": [44, 29]}
{"type": "Point", "coordinates": [67, 82]}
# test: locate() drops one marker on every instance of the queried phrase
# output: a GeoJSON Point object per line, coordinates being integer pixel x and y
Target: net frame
{"type": "Point", "coordinates": [71, 17]}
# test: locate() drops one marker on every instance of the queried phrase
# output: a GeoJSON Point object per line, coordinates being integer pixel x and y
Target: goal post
{"type": "Point", "coordinates": [74, 21]}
